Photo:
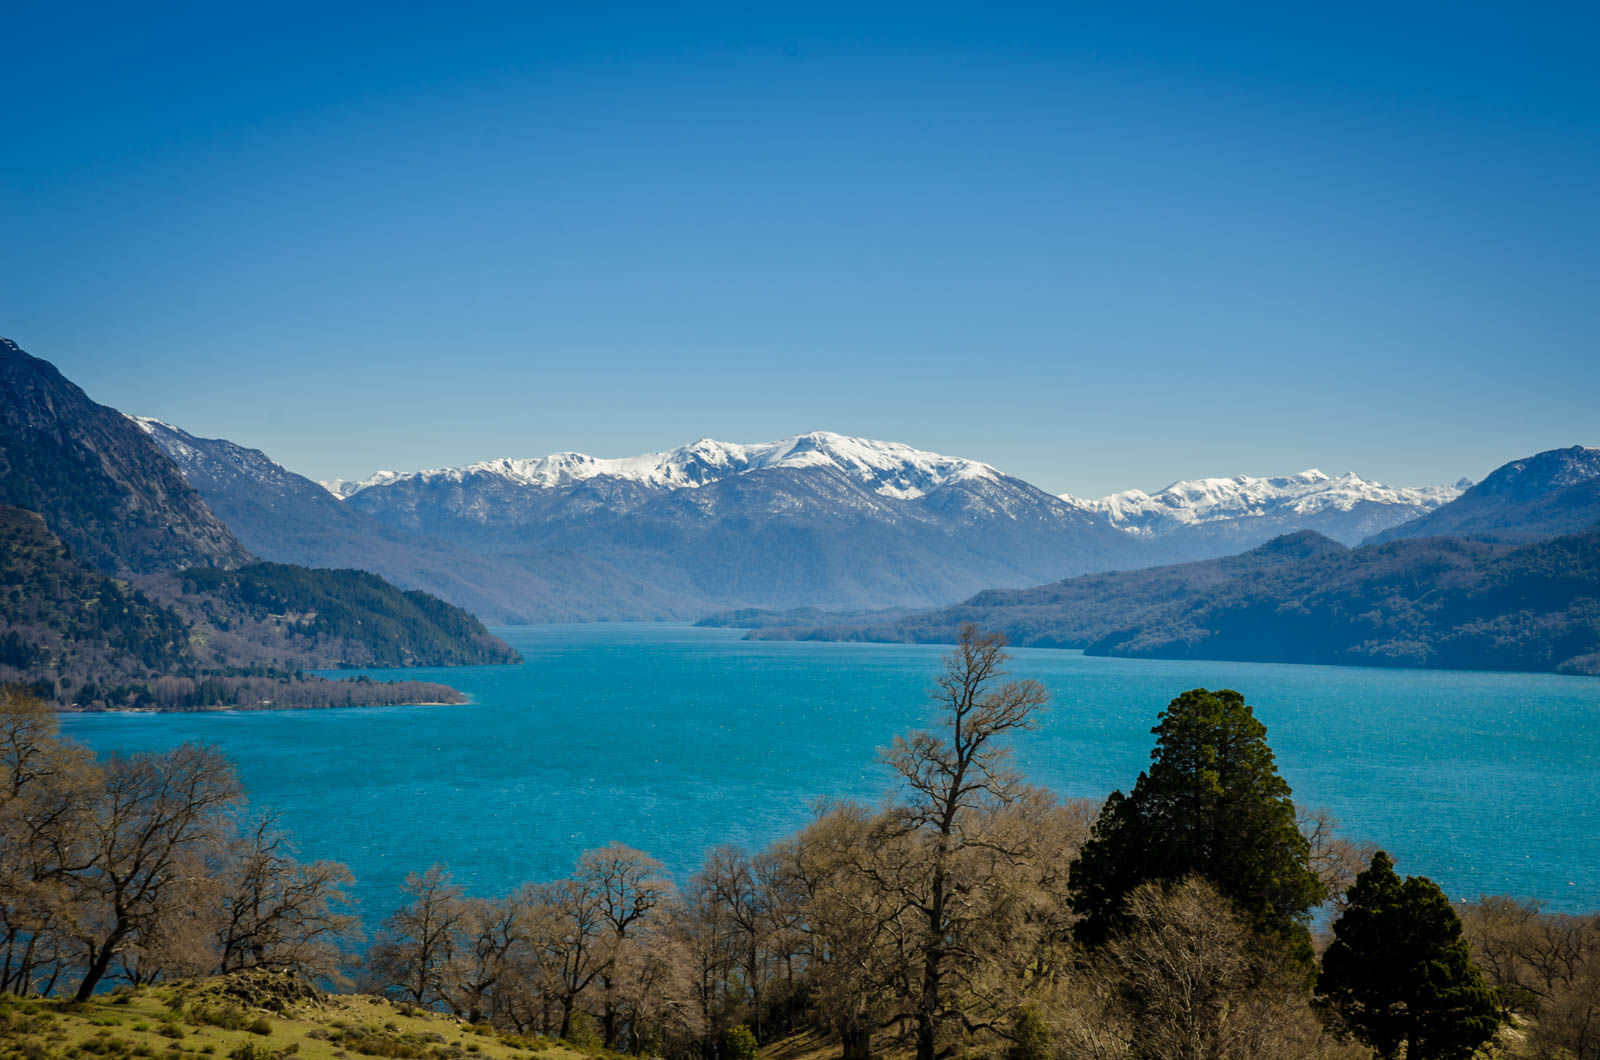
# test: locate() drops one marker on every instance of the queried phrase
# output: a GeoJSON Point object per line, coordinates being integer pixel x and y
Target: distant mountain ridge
{"type": "Point", "coordinates": [841, 523]}
{"type": "Point", "coordinates": [819, 519]}
{"type": "Point", "coordinates": [887, 468]}
{"type": "Point", "coordinates": [286, 518]}
{"type": "Point", "coordinates": [1246, 510]}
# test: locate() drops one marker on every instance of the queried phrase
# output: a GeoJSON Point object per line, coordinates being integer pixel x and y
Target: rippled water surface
{"type": "Point", "coordinates": [675, 739]}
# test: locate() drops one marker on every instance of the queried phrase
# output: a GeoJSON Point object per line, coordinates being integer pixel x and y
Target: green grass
{"type": "Point", "coordinates": [203, 1018]}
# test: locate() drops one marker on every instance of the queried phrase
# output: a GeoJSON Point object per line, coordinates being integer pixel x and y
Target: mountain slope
{"type": "Point", "coordinates": [58, 616]}
{"type": "Point", "coordinates": [1202, 514]}
{"type": "Point", "coordinates": [105, 489]}
{"type": "Point", "coordinates": [344, 618]}
{"type": "Point", "coordinates": [1550, 493]}
{"type": "Point", "coordinates": [191, 620]}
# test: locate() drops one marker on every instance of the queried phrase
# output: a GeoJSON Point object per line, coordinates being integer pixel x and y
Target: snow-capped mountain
{"type": "Point", "coordinates": [886, 468]}
{"type": "Point", "coordinates": [1245, 510]}
{"type": "Point", "coordinates": [818, 519]}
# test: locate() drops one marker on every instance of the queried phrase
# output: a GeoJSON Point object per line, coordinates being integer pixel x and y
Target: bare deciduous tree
{"type": "Point", "coordinates": [955, 778]}
{"type": "Point", "coordinates": [158, 814]}
{"type": "Point", "coordinates": [1196, 984]}
{"type": "Point", "coordinates": [417, 943]}
{"type": "Point", "coordinates": [277, 912]}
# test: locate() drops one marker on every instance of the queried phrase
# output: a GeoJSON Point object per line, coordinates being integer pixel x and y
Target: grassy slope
{"type": "Point", "coordinates": [143, 1024]}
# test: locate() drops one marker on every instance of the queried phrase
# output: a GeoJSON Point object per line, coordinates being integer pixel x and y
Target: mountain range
{"type": "Point", "coordinates": [1212, 514]}
{"type": "Point", "coordinates": [1508, 589]}
{"type": "Point", "coordinates": [818, 520]}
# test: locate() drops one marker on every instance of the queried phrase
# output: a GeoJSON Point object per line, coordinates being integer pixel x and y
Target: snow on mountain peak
{"type": "Point", "coordinates": [888, 468]}
{"type": "Point", "coordinates": [149, 424]}
{"type": "Point", "coordinates": [1191, 502]}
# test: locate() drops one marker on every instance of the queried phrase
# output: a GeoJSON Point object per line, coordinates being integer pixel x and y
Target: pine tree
{"type": "Point", "coordinates": [1399, 972]}
{"type": "Point", "coordinates": [1212, 804]}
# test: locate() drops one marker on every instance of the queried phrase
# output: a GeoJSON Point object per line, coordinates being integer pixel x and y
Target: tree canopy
{"type": "Point", "coordinates": [1400, 973]}
{"type": "Point", "coordinates": [1211, 804]}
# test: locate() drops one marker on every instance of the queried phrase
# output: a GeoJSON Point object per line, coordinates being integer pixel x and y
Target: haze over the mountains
{"type": "Point", "coordinates": [815, 520]}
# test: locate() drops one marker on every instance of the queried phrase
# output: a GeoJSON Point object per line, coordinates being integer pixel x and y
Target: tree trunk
{"type": "Point", "coordinates": [566, 1017]}
{"type": "Point", "coordinates": [608, 1019]}
{"type": "Point", "coordinates": [97, 968]}
{"type": "Point", "coordinates": [932, 962]}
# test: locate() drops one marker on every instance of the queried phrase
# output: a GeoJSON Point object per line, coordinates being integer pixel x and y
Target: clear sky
{"type": "Point", "coordinates": [1099, 247]}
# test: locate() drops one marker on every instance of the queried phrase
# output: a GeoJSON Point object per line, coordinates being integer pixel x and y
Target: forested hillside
{"type": "Point", "coordinates": [1434, 602]}
{"type": "Point", "coordinates": [82, 639]}
{"type": "Point", "coordinates": [337, 617]}
{"type": "Point", "coordinates": [1067, 614]}
{"type": "Point", "coordinates": [1443, 602]}
{"type": "Point", "coordinates": [60, 617]}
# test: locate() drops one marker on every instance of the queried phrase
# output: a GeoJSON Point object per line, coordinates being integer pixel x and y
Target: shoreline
{"type": "Point", "coordinates": [466, 700]}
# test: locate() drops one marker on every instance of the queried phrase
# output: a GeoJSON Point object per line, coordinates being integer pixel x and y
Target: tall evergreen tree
{"type": "Point", "coordinates": [1400, 973]}
{"type": "Point", "coordinates": [1212, 804]}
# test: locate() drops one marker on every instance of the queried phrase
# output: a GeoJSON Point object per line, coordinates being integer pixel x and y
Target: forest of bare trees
{"type": "Point", "coordinates": [947, 921]}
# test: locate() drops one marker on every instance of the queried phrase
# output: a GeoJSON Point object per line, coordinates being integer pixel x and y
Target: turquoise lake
{"type": "Point", "coordinates": [676, 739]}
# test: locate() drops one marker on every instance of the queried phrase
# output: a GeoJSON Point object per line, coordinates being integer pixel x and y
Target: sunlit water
{"type": "Point", "coordinates": [674, 740]}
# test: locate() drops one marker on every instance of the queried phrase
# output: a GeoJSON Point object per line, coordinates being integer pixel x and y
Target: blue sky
{"type": "Point", "coordinates": [1099, 247]}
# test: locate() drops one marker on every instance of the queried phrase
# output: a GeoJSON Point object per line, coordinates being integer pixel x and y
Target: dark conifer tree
{"type": "Point", "coordinates": [1399, 973]}
{"type": "Point", "coordinates": [1212, 804]}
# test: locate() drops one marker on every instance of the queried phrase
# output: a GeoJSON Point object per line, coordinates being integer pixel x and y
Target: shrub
{"type": "Point", "coordinates": [228, 1016]}
{"type": "Point", "coordinates": [738, 1043]}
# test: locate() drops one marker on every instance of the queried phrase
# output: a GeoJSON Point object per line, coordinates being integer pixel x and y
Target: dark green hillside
{"type": "Point", "coordinates": [60, 618]}
{"type": "Point", "coordinates": [340, 617]}
{"type": "Point", "coordinates": [81, 639]}
{"type": "Point", "coordinates": [1435, 602]}
{"type": "Point", "coordinates": [1438, 602]}
{"type": "Point", "coordinates": [1067, 614]}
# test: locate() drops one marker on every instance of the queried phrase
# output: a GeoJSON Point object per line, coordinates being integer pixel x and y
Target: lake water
{"type": "Point", "coordinates": [675, 739]}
